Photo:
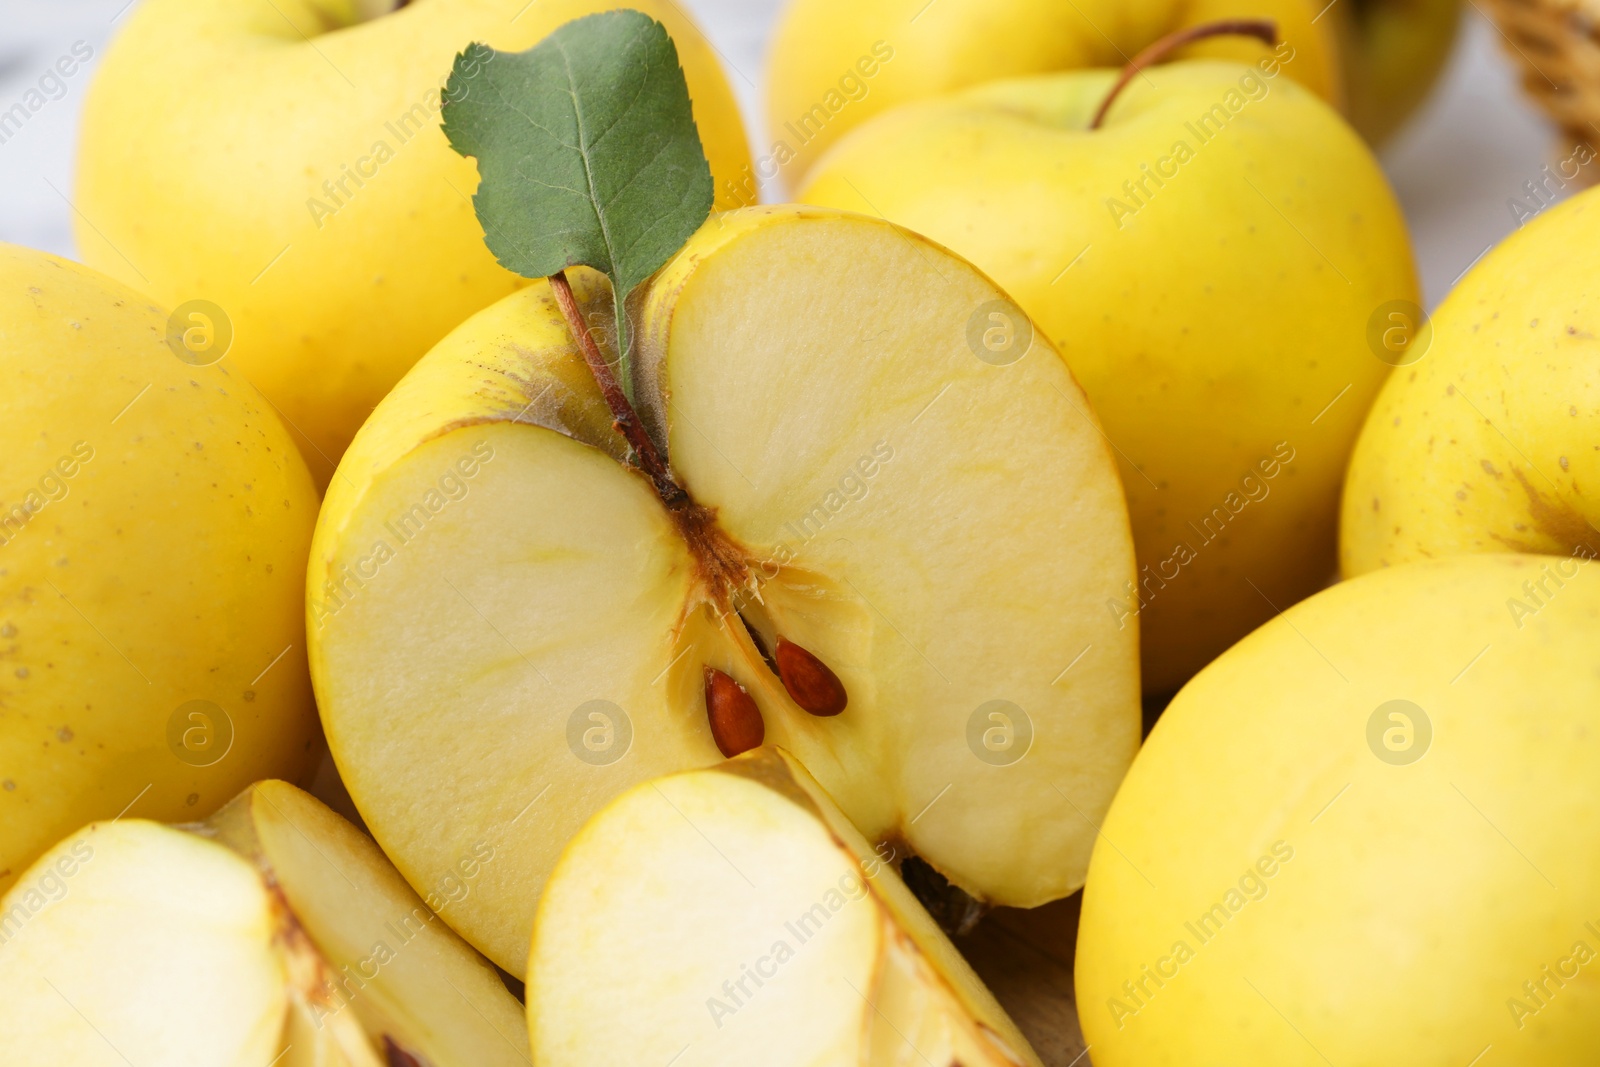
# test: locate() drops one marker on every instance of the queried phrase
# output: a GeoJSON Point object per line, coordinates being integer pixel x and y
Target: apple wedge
{"type": "Point", "coordinates": [732, 916]}
{"type": "Point", "coordinates": [890, 510]}
{"type": "Point", "coordinates": [240, 941]}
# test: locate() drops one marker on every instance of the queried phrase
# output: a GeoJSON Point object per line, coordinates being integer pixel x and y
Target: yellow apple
{"type": "Point", "coordinates": [1392, 52]}
{"type": "Point", "coordinates": [155, 519]}
{"type": "Point", "coordinates": [1369, 833]}
{"type": "Point", "coordinates": [1208, 261]}
{"type": "Point", "coordinates": [837, 63]}
{"type": "Point", "coordinates": [1487, 437]}
{"type": "Point", "coordinates": [506, 618]}
{"type": "Point", "coordinates": [283, 160]}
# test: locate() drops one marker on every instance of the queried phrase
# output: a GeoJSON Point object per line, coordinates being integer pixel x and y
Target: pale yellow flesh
{"type": "Point", "coordinates": [396, 969]}
{"type": "Point", "coordinates": [734, 875]}
{"type": "Point", "coordinates": [204, 179]}
{"type": "Point", "coordinates": [1490, 442]}
{"type": "Point", "coordinates": [1217, 319]}
{"type": "Point", "coordinates": [1418, 898]}
{"type": "Point", "coordinates": [159, 564]}
{"type": "Point", "coordinates": [972, 565]}
{"type": "Point", "coordinates": [834, 64]}
{"type": "Point", "coordinates": [131, 942]}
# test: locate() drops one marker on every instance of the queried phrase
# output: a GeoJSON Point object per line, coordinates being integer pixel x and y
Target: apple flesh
{"type": "Point", "coordinates": [291, 170]}
{"type": "Point", "coordinates": [734, 911]}
{"type": "Point", "coordinates": [506, 618]}
{"type": "Point", "coordinates": [1210, 282]}
{"type": "Point", "coordinates": [238, 943]}
{"type": "Point", "coordinates": [154, 525]}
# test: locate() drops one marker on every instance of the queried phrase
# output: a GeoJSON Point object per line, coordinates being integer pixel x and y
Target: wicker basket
{"type": "Point", "coordinates": [1557, 44]}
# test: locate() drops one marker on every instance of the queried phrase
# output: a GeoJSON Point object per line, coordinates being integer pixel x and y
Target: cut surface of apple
{"type": "Point", "coordinates": [240, 943]}
{"type": "Point", "coordinates": [507, 620]}
{"type": "Point", "coordinates": [732, 915]}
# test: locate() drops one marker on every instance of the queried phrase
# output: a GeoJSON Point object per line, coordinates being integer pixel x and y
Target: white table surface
{"type": "Point", "coordinates": [1455, 167]}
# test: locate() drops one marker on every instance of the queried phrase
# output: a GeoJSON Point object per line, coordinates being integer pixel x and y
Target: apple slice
{"type": "Point", "coordinates": [733, 915]}
{"type": "Point", "coordinates": [509, 627]}
{"type": "Point", "coordinates": [240, 942]}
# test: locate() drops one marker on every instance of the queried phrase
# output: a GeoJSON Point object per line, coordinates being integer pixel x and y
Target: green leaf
{"type": "Point", "coordinates": [587, 150]}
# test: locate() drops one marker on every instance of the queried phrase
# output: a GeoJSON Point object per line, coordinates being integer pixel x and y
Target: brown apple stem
{"type": "Point", "coordinates": [623, 417]}
{"type": "Point", "coordinates": [1264, 29]}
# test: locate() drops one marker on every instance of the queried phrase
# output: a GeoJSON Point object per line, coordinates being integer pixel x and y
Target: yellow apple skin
{"type": "Point", "coordinates": [162, 563]}
{"type": "Point", "coordinates": [1392, 52]}
{"type": "Point", "coordinates": [1378, 910]}
{"type": "Point", "coordinates": [1490, 440]}
{"type": "Point", "coordinates": [1219, 328]}
{"type": "Point", "coordinates": [204, 179]}
{"type": "Point", "coordinates": [915, 50]}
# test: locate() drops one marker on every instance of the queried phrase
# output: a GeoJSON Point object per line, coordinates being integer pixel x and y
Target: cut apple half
{"type": "Point", "coordinates": [274, 934]}
{"type": "Point", "coordinates": [901, 530]}
{"type": "Point", "coordinates": [734, 916]}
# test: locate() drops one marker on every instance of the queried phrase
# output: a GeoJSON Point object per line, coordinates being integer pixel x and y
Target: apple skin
{"type": "Point", "coordinates": [1210, 327]}
{"type": "Point", "coordinates": [819, 47]}
{"type": "Point", "coordinates": [1393, 52]}
{"type": "Point", "coordinates": [162, 564]}
{"type": "Point", "coordinates": [202, 178]}
{"type": "Point", "coordinates": [1490, 440]}
{"type": "Point", "coordinates": [1383, 897]}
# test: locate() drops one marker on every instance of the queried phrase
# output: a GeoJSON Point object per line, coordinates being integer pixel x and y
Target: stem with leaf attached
{"type": "Point", "coordinates": [623, 416]}
{"type": "Point", "coordinates": [1264, 30]}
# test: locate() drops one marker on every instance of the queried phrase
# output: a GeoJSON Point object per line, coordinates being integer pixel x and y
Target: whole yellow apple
{"type": "Point", "coordinates": [1208, 261]}
{"type": "Point", "coordinates": [1391, 52]}
{"type": "Point", "coordinates": [284, 161]}
{"type": "Point", "coordinates": [1367, 834]}
{"type": "Point", "coordinates": [1487, 437]}
{"type": "Point", "coordinates": [837, 63]}
{"type": "Point", "coordinates": [154, 523]}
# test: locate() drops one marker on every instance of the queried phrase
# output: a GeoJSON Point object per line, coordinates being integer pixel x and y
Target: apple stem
{"type": "Point", "coordinates": [623, 417]}
{"type": "Point", "coordinates": [1264, 29]}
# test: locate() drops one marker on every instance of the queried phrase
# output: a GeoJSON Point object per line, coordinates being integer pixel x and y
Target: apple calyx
{"type": "Point", "coordinates": [809, 681]}
{"type": "Point", "coordinates": [736, 724]}
{"type": "Point", "coordinates": [1264, 30]}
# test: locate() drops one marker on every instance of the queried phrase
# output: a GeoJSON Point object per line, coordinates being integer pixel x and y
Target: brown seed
{"type": "Point", "coordinates": [736, 724]}
{"type": "Point", "coordinates": [809, 681]}
{"type": "Point", "coordinates": [397, 1056]}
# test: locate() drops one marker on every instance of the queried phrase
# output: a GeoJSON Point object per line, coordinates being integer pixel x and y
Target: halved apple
{"type": "Point", "coordinates": [733, 916]}
{"type": "Point", "coordinates": [238, 943]}
{"type": "Point", "coordinates": [899, 502]}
